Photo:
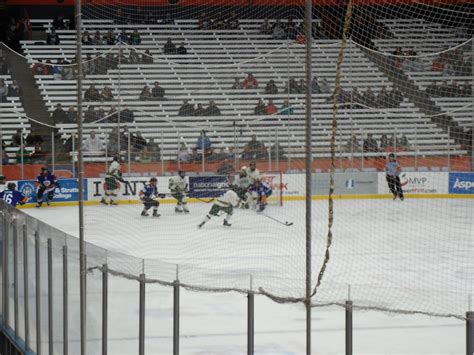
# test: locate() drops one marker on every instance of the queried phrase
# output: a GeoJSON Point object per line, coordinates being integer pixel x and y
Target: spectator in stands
{"type": "Point", "coordinates": [157, 92]}
{"type": "Point", "coordinates": [3, 91]}
{"type": "Point", "coordinates": [260, 109]}
{"type": "Point", "coordinates": [325, 88]}
{"type": "Point", "coordinates": [271, 109]}
{"type": "Point", "coordinates": [16, 138]}
{"type": "Point", "coordinates": [254, 149]}
{"type": "Point", "coordinates": [212, 109]}
{"type": "Point", "coordinates": [145, 94]}
{"type": "Point", "coordinates": [109, 38]}
{"type": "Point", "coordinates": [438, 64]}
{"type": "Point", "coordinates": [168, 20]}
{"type": "Point", "coordinates": [302, 86]}
{"type": "Point", "coordinates": [93, 143]}
{"type": "Point", "coordinates": [100, 114]}
{"type": "Point", "coordinates": [92, 94]}
{"type": "Point", "coordinates": [265, 28]}
{"type": "Point", "coordinates": [315, 88]}
{"type": "Point", "coordinates": [135, 38]}
{"type": "Point", "coordinates": [237, 85]}
{"type": "Point", "coordinates": [40, 69]}
{"type": "Point", "coordinates": [293, 86]}
{"type": "Point", "coordinates": [97, 39]}
{"type": "Point", "coordinates": [147, 58]}
{"type": "Point", "coordinates": [22, 153]}
{"type": "Point", "coordinates": [370, 144]}
{"type": "Point", "coordinates": [106, 94]}
{"type": "Point", "coordinates": [183, 153]}
{"type": "Point", "coordinates": [86, 38]}
{"type": "Point", "coordinates": [127, 115]}
{"type": "Point", "coordinates": [52, 38]}
{"type": "Point", "coordinates": [14, 90]}
{"type": "Point", "coordinates": [250, 82]}
{"type": "Point", "coordinates": [200, 110]}
{"type": "Point", "coordinates": [88, 66]}
{"type": "Point", "coordinates": [58, 69]}
{"type": "Point", "coordinates": [38, 156]}
{"type": "Point", "coordinates": [186, 109]}
{"type": "Point", "coordinates": [68, 72]}
{"type": "Point", "coordinates": [286, 109]}
{"type": "Point", "coordinates": [133, 57]}
{"type": "Point", "coordinates": [204, 143]}
{"type": "Point", "coordinates": [233, 21]}
{"type": "Point", "coordinates": [278, 31]}
{"type": "Point", "coordinates": [71, 115]}
{"type": "Point", "coordinates": [90, 115]}
{"type": "Point", "coordinates": [384, 143]}
{"type": "Point", "coordinates": [169, 47]}
{"type": "Point", "coordinates": [58, 115]}
{"type": "Point", "coordinates": [112, 115]}
{"type": "Point", "coordinates": [122, 37]}
{"type": "Point", "coordinates": [403, 142]}
{"type": "Point", "coordinates": [466, 89]}
{"type": "Point", "coordinates": [182, 49]}
{"type": "Point", "coordinates": [353, 145]}
{"type": "Point", "coordinates": [271, 88]}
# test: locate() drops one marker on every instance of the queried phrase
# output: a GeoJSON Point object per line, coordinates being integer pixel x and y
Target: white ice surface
{"type": "Point", "coordinates": [418, 253]}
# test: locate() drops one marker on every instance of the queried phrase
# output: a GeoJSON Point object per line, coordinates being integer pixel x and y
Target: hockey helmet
{"type": "Point", "coordinates": [154, 179]}
{"type": "Point", "coordinates": [11, 186]}
{"type": "Point", "coordinates": [181, 173]}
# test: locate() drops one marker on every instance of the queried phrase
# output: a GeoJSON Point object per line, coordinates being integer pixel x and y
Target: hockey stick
{"type": "Point", "coordinates": [285, 223]}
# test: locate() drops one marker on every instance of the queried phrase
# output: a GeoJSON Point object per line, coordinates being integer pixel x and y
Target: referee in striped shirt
{"type": "Point", "coordinates": [392, 171]}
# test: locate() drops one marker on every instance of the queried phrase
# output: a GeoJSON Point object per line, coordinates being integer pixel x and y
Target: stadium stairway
{"type": "Point", "coordinates": [421, 100]}
{"type": "Point", "coordinates": [33, 102]}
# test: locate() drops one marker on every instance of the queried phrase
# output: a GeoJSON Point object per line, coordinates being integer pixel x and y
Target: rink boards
{"type": "Point", "coordinates": [354, 185]}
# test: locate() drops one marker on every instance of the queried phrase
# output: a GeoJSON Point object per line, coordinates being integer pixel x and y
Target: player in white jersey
{"type": "Point", "coordinates": [253, 173]}
{"type": "Point", "coordinates": [179, 189]}
{"type": "Point", "coordinates": [112, 185]}
{"type": "Point", "coordinates": [226, 204]}
{"type": "Point", "coordinates": [242, 184]}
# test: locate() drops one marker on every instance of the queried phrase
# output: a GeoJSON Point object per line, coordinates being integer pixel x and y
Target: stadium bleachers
{"type": "Point", "coordinates": [214, 58]}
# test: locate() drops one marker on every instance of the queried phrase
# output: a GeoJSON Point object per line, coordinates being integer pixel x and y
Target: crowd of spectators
{"type": "Point", "coordinates": [451, 89]}
{"type": "Point", "coordinates": [407, 60]}
{"type": "Point", "coordinates": [453, 62]}
{"type": "Point", "coordinates": [206, 22]}
{"type": "Point", "coordinates": [385, 98]}
{"type": "Point", "coordinates": [188, 109]}
{"type": "Point", "coordinates": [12, 90]}
{"type": "Point", "coordinates": [170, 48]}
{"type": "Point", "coordinates": [370, 145]}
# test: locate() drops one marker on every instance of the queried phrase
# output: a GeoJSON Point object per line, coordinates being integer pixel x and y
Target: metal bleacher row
{"type": "Point", "coordinates": [214, 58]}
{"type": "Point", "coordinates": [430, 39]}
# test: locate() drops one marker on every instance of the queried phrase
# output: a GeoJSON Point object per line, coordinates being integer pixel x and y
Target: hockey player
{"type": "Point", "coordinates": [12, 196]}
{"type": "Point", "coordinates": [148, 195]}
{"type": "Point", "coordinates": [253, 173]}
{"type": "Point", "coordinates": [392, 171]}
{"type": "Point", "coordinates": [242, 181]}
{"type": "Point", "coordinates": [179, 189]}
{"type": "Point", "coordinates": [259, 192]}
{"type": "Point", "coordinates": [112, 185]}
{"type": "Point", "coordinates": [225, 203]}
{"type": "Point", "coordinates": [46, 183]}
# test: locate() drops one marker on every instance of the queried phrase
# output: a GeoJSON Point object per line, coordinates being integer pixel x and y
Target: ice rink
{"type": "Point", "coordinates": [411, 255]}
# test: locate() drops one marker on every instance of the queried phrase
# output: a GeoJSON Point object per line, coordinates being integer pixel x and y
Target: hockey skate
{"type": "Point", "coordinates": [145, 213]}
{"type": "Point", "coordinates": [102, 201]}
{"type": "Point", "coordinates": [200, 225]}
{"type": "Point", "coordinates": [178, 209]}
{"type": "Point", "coordinates": [39, 204]}
{"type": "Point", "coordinates": [113, 203]}
{"type": "Point", "coordinates": [227, 224]}
{"type": "Point", "coordinates": [156, 214]}
{"type": "Point", "coordinates": [185, 209]}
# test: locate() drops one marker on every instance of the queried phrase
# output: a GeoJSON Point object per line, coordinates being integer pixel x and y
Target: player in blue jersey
{"type": "Point", "coordinates": [46, 183]}
{"type": "Point", "coordinates": [260, 191]}
{"type": "Point", "coordinates": [148, 195]}
{"type": "Point", "coordinates": [12, 196]}
{"type": "Point", "coordinates": [392, 172]}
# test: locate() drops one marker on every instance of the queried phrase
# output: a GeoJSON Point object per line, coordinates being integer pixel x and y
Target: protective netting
{"type": "Point", "coordinates": [210, 89]}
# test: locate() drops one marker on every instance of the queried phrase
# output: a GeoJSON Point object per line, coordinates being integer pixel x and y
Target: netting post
{"type": "Point", "coordinates": [129, 153]}
{"type": "Point", "coordinates": [6, 276]}
{"type": "Point", "coordinates": [15, 277]}
{"type": "Point", "coordinates": [352, 143]}
{"type": "Point", "coordinates": [26, 292]}
{"type": "Point", "coordinates": [472, 108]}
{"type": "Point", "coordinates": [176, 306]}
{"type": "Point", "coordinates": [53, 161]}
{"type": "Point", "coordinates": [449, 148]}
{"type": "Point", "coordinates": [349, 323]}
{"type": "Point", "coordinates": [308, 169]}
{"type": "Point", "coordinates": [203, 153]}
{"type": "Point", "coordinates": [73, 154]}
{"type": "Point", "coordinates": [22, 151]}
{"type": "Point", "coordinates": [1, 150]}
{"type": "Point", "coordinates": [340, 149]}
{"type": "Point", "coordinates": [469, 333]}
{"type": "Point", "coordinates": [277, 151]}
{"type": "Point", "coordinates": [416, 148]}
{"type": "Point", "coordinates": [50, 298]}
{"type": "Point", "coordinates": [178, 157]}
{"type": "Point", "coordinates": [269, 150]}
{"type": "Point", "coordinates": [161, 154]}
{"type": "Point", "coordinates": [141, 331]}
{"type": "Point", "coordinates": [105, 307]}
{"type": "Point", "coordinates": [362, 160]}
{"type": "Point", "coordinates": [65, 302]}
{"type": "Point", "coordinates": [38, 292]}
{"type": "Point", "coordinates": [235, 146]}
{"type": "Point", "coordinates": [250, 320]}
